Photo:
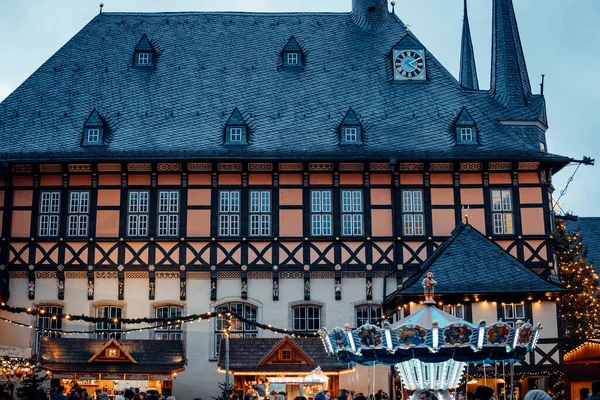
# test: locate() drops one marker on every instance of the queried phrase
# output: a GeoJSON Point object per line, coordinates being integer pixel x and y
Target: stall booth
{"type": "Point", "coordinates": [111, 365]}
{"type": "Point", "coordinates": [299, 367]}
{"type": "Point", "coordinates": [582, 367]}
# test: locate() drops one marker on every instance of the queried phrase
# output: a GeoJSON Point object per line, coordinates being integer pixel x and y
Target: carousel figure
{"type": "Point", "coordinates": [428, 286]}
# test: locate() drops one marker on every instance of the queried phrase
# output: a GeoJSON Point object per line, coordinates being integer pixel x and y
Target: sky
{"type": "Point", "coordinates": [560, 39]}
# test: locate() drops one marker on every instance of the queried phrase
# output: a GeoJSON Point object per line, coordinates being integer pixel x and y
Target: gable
{"type": "Point", "coordinates": [112, 351]}
{"type": "Point", "coordinates": [288, 353]}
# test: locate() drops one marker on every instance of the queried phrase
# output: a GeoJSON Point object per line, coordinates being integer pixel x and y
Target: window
{"type": "Point", "coordinates": [172, 331]}
{"type": "Point", "coordinates": [457, 310]}
{"type": "Point", "coordinates": [229, 213]}
{"type": "Point", "coordinates": [260, 213]}
{"type": "Point", "coordinates": [285, 355]}
{"type": "Point", "coordinates": [79, 208]}
{"type": "Point", "coordinates": [466, 134]}
{"type": "Point", "coordinates": [307, 318]}
{"type": "Point", "coordinates": [367, 314]}
{"type": "Point", "coordinates": [235, 134]}
{"type": "Point", "coordinates": [502, 212]}
{"type": "Point", "coordinates": [292, 58]}
{"type": "Point", "coordinates": [143, 58]}
{"type": "Point", "coordinates": [542, 147]}
{"type": "Point", "coordinates": [237, 329]}
{"type": "Point", "coordinates": [513, 312]}
{"type": "Point", "coordinates": [321, 212]}
{"type": "Point", "coordinates": [49, 209]}
{"type": "Point", "coordinates": [168, 213]}
{"type": "Point", "coordinates": [114, 329]}
{"type": "Point", "coordinates": [412, 212]}
{"type": "Point", "coordinates": [93, 135]}
{"type": "Point", "coordinates": [352, 218]}
{"type": "Point", "coordinates": [44, 321]}
{"type": "Point", "coordinates": [350, 135]}
{"type": "Point", "coordinates": [138, 214]}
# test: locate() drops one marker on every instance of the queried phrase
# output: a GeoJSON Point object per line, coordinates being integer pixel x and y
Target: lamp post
{"type": "Point", "coordinates": [227, 326]}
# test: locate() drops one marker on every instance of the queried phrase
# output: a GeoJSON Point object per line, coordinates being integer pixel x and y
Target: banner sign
{"type": "Point", "coordinates": [11, 351]}
{"type": "Point", "coordinates": [88, 377]}
{"type": "Point", "coordinates": [63, 375]}
{"type": "Point", "coordinates": [160, 377]}
{"type": "Point", "coordinates": [113, 377]}
{"type": "Point", "coordinates": [136, 377]}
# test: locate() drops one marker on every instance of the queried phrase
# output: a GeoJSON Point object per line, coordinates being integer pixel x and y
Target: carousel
{"type": "Point", "coordinates": [432, 349]}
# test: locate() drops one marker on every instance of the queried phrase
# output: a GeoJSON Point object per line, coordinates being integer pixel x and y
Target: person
{"type": "Point", "coordinates": [537, 395]}
{"type": "Point", "coordinates": [595, 391]}
{"type": "Point", "coordinates": [250, 395]}
{"type": "Point", "coordinates": [260, 388]}
{"type": "Point", "coordinates": [327, 394]}
{"type": "Point", "coordinates": [104, 394]}
{"type": "Point", "coordinates": [360, 396]}
{"type": "Point", "coordinates": [584, 393]}
{"type": "Point", "coordinates": [59, 394]}
{"type": "Point", "coordinates": [320, 396]}
{"type": "Point", "coordinates": [128, 394]}
{"type": "Point", "coordinates": [483, 393]}
{"type": "Point", "coordinates": [461, 395]}
{"type": "Point", "coordinates": [342, 394]}
{"type": "Point", "coordinates": [136, 394]}
{"type": "Point", "coordinates": [120, 395]}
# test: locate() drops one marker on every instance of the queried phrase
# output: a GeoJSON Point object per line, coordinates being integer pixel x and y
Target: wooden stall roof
{"type": "Point", "coordinates": [587, 353]}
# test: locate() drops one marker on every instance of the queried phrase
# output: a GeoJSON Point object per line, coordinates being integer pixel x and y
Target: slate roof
{"type": "Point", "coordinates": [589, 228]}
{"type": "Point", "coordinates": [246, 353]}
{"type": "Point", "coordinates": [470, 263]}
{"type": "Point", "coordinates": [72, 355]}
{"type": "Point", "coordinates": [208, 63]}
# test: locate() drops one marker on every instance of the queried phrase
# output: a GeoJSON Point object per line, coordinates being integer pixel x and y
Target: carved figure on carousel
{"type": "Point", "coordinates": [428, 287]}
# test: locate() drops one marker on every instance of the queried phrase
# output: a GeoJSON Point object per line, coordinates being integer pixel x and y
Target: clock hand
{"type": "Point", "coordinates": [413, 64]}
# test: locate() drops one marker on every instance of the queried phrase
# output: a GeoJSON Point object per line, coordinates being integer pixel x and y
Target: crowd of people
{"type": "Point", "coordinates": [81, 393]}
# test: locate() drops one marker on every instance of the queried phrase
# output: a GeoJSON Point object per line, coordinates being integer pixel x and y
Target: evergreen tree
{"type": "Point", "coordinates": [28, 373]}
{"type": "Point", "coordinates": [581, 304]}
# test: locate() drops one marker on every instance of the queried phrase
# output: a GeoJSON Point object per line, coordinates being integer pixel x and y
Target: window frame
{"type": "Point", "coordinates": [466, 134]}
{"type": "Point", "coordinates": [146, 55]}
{"type": "Point", "coordinates": [238, 131]}
{"type": "Point", "coordinates": [94, 133]}
{"type": "Point", "coordinates": [246, 331]}
{"type": "Point", "coordinates": [355, 216]}
{"type": "Point", "coordinates": [171, 331]}
{"type": "Point", "coordinates": [370, 309]}
{"type": "Point", "coordinates": [226, 215]}
{"type": "Point", "coordinates": [47, 323]}
{"type": "Point", "coordinates": [306, 320]}
{"type": "Point", "coordinates": [260, 218]}
{"type": "Point", "coordinates": [452, 309]}
{"type": "Point", "coordinates": [293, 55]}
{"type": "Point", "coordinates": [49, 213]}
{"type": "Point", "coordinates": [79, 214]}
{"type": "Point", "coordinates": [134, 214]}
{"type": "Point", "coordinates": [511, 321]}
{"type": "Point", "coordinates": [317, 213]}
{"type": "Point", "coordinates": [168, 215]}
{"type": "Point", "coordinates": [410, 214]}
{"type": "Point", "coordinates": [502, 212]}
{"type": "Point", "coordinates": [107, 330]}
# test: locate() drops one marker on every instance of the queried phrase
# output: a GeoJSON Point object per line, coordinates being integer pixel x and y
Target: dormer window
{"type": "Point", "coordinates": [236, 129]}
{"type": "Point", "coordinates": [144, 53]}
{"type": "Point", "coordinates": [94, 130]}
{"type": "Point", "coordinates": [292, 54]}
{"type": "Point", "coordinates": [350, 129]}
{"type": "Point", "coordinates": [465, 128]}
{"type": "Point", "coordinates": [542, 147]}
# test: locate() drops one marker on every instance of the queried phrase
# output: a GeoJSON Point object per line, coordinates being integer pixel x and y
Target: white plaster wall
{"type": "Point", "coordinates": [366, 379]}
{"type": "Point", "coordinates": [545, 312]}
{"type": "Point", "coordinates": [486, 311]}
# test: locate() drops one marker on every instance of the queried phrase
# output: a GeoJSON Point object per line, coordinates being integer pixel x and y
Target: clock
{"type": "Point", "coordinates": [409, 65]}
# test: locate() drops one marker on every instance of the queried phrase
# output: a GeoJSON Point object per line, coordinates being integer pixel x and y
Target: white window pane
{"type": "Point", "coordinates": [506, 200]}
{"type": "Point", "coordinates": [498, 223]}
{"type": "Point", "coordinates": [417, 201]}
{"type": "Point", "coordinates": [326, 201]}
{"type": "Point", "coordinates": [408, 225]}
{"type": "Point", "coordinates": [84, 202]}
{"type": "Point", "coordinates": [224, 206]}
{"type": "Point", "coordinates": [407, 201]}
{"type": "Point", "coordinates": [496, 200]}
{"type": "Point", "coordinates": [265, 225]}
{"type": "Point", "coordinates": [265, 202]}
{"type": "Point", "coordinates": [143, 202]}
{"type": "Point", "coordinates": [508, 225]}
{"type": "Point", "coordinates": [347, 224]}
{"type": "Point", "coordinates": [509, 311]}
{"type": "Point", "coordinates": [74, 202]}
{"type": "Point", "coordinates": [254, 202]}
{"type": "Point", "coordinates": [326, 224]}
{"type": "Point", "coordinates": [234, 202]}
{"type": "Point", "coordinates": [173, 225]}
{"type": "Point", "coordinates": [418, 224]}
{"type": "Point", "coordinates": [132, 225]}
{"type": "Point", "coordinates": [45, 203]}
{"type": "Point", "coordinates": [73, 225]}
{"type": "Point", "coordinates": [234, 225]}
{"type": "Point", "coordinates": [55, 202]}
{"type": "Point", "coordinates": [316, 201]}
{"type": "Point", "coordinates": [53, 228]}
{"type": "Point", "coordinates": [44, 221]}
{"type": "Point", "coordinates": [254, 225]}
{"type": "Point", "coordinates": [520, 311]}
{"type": "Point", "coordinates": [224, 225]}
{"type": "Point", "coordinates": [316, 225]}
{"type": "Point", "coordinates": [142, 225]}
{"type": "Point", "coordinates": [83, 225]}
{"type": "Point", "coordinates": [357, 224]}
{"type": "Point", "coordinates": [133, 201]}
{"type": "Point", "coordinates": [174, 202]}
{"type": "Point", "coordinates": [346, 201]}
{"type": "Point", "coordinates": [163, 202]}
{"type": "Point", "coordinates": [162, 225]}
{"type": "Point", "coordinates": [357, 201]}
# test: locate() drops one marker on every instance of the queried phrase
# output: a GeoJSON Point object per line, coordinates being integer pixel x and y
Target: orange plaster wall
{"type": "Point", "coordinates": [321, 179]}
{"type": "Point", "coordinates": [381, 179]}
{"type": "Point", "coordinates": [199, 197]}
{"type": "Point", "coordinates": [500, 178]}
{"type": "Point", "coordinates": [21, 223]}
{"type": "Point", "coordinates": [471, 196]}
{"type": "Point", "coordinates": [199, 179]}
{"type": "Point", "coordinates": [470, 179]}
{"type": "Point", "coordinates": [530, 195]}
{"type": "Point", "coordinates": [22, 180]}
{"type": "Point", "coordinates": [290, 223]}
{"type": "Point", "coordinates": [411, 179]}
{"type": "Point", "coordinates": [169, 179]}
{"type": "Point", "coordinates": [443, 222]}
{"type": "Point", "coordinates": [139, 180]}
{"type": "Point", "coordinates": [22, 198]}
{"type": "Point", "coordinates": [529, 177]}
{"type": "Point", "coordinates": [381, 222]}
{"type": "Point", "coordinates": [109, 180]}
{"type": "Point", "coordinates": [532, 220]}
{"type": "Point", "coordinates": [136, 249]}
{"type": "Point", "coordinates": [535, 244]}
{"type": "Point", "coordinates": [198, 223]}
{"type": "Point", "coordinates": [290, 197]}
{"type": "Point", "coordinates": [476, 218]}
{"type": "Point", "coordinates": [260, 179]}
{"type": "Point", "coordinates": [109, 197]}
{"type": "Point", "coordinates": [442, 197]}
{"type": "Point", "coordinates": [440, 179]}
{"type": "Point", "coordinates": [80, 180]}
{"type": "Point", "coordinates": [50, 180]}
{"type": "Point", "coordinates": [1, 198]}
{"type": "Point", "coordinates": [381, 197]}
{"type": "Point", "coordinates": [230, 179]}
{"type": "Point", "coordinates": [290, 179]}
{"type": "Point", "coordinates": [351, 179]}
{"type": "Point", "coordinates": [107, 223]}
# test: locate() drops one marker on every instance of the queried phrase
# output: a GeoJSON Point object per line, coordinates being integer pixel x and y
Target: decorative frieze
{"type": "Point", "coordinates": [109, 167]}
{"type": "Point", "coordinates": [167, 275]}
{"type": "Point", "coordinates": [136, 274]}
{"type": "Point", "coordinates": [353, 274]}
{"type": "Point", "coordinates": [168, 167]}
{"type": "Point", "coordinates": [199, 167]}
{"type": "Point", "coordinates": [500, 166]}
{"type": "Point", "coordinates": [229, 275]}
{"type": "Point", "coordinates": [75, 168]}
{"type": "Point", "coordinates": [320, 167]}
{"type": "Point", "coordinates": [22, 169]}
{"type": "Point", "coordinates": [379, 167]}
{"type": "Point", "coordinates": [45, 275]}
{"type": "Point", "coordinates": [380, 274]}
{"type": "Point", "coordinates": [139, 167]}
{"type": "Point", "coordinates": [291, 167]}
{"type": "Point", "coordinates": [230, 167]}
{"type": "Point", "coordinates": [260, 275]}
{"type": "Point", "coordinates": [198, 275]}
{"type": "Point", "coordinates": [50, 168]}
{"type": "Point", "coordinates": [17, 274]}
{"type": "Point", "coordinates": [441, 167]}
{"type": "Point", "coordinates": [322, 275]}
{"type": "Point", "coordinates": [291, 275]}
{"type": "Point", "coordinates": [352, 167]}
{"type": "Point", "coordinates": [106, 274]}
{"type": "Point", "coordinates": [260, 167]}
{"type": "Point", "coordinates": [411, 167]}
{"type": "Point", "coordinates": [75, 275]}
{"type": "Point", "coordinates": [471, 166]}
{"type": "Point", "coordinates": [529, 166]}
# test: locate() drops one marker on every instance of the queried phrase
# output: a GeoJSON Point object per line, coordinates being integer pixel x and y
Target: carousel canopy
{"type": "Point", "coordinates": [427, 315]}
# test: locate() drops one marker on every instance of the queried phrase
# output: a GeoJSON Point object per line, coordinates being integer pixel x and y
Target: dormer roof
{"type": "Point", "coordinates": [235, 118]}
{"type": "Point", "coordinates": [409, 42]}
{"type": "Point", "coordinates": [350, 118]}
{"type": "Point", "coordinates": [464, 118]}
{"type": "Point", "coordinates": [94, 120]}
{"type": "Point", "coordinates": [292, 45]}
{"type": "Point", "coordinates": [144, 44]}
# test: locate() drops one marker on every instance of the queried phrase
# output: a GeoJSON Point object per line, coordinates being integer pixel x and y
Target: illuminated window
{"type": "Point", "coordinates": [502, 215]}
{"type": "Point", "coordinates": [513, 312]}
{"type": "Point", "coordinates": [457, 310]}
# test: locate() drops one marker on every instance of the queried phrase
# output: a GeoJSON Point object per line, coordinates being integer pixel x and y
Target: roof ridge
{"type": "Point", "coordinates": [175, 13]}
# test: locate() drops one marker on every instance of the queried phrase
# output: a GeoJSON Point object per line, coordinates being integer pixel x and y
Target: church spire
{"type": "Point", "coordinates": [509, 81]}
{"type": "Point", "coordinates": [468, 69]}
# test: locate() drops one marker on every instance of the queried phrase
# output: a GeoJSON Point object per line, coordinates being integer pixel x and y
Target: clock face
{"type": "Point", "coordinates": [409, 64]}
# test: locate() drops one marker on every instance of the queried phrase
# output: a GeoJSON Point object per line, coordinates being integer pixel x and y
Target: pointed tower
{"type": "Point", "coordinates": [509, 81]}
{"type": "Point", "coordinates": [468, 69]}
{"type": "Point", "coordinates": [370, 14]}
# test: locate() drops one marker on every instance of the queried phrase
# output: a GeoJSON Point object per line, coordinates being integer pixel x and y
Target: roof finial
{"type": "Point", "coordinates": [101, 6]}
{"type": "Point", "coordinates": [407, 27]}
{"type": "Point", "coordinates": [393, 9]}
{"type": "Point", "coordinates": [466, 208]}
{"type": "Point", "coordinates": [542, 84]}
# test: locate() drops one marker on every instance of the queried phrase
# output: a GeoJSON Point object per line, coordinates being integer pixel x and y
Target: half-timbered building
{"type": "Point", "coordinates": [301, 169]}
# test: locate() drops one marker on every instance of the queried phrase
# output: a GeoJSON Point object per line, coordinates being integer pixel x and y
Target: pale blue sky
{"type": "Point", "coordinates": [560, 38]}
